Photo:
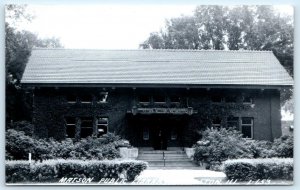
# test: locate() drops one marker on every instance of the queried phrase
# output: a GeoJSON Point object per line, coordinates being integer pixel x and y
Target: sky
{"type": "Point", "coordinates": [105, 26]}
{"type": "Point", "coordinates": [102, 26]}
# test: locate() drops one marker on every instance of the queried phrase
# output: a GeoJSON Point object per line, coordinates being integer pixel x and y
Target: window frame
{"type": "Point", "coordinates": [146, 134]}
{"type": "Point", "coordinates": [232, 121]}
{"type": "Point", "coordinates": [70, 124]}
{"type": "Point", "coordinates": [251, 100]}
{"type": "Point", "coordinates": [174, 135]}
{"type": "Point", "coordinates": [159, 102]}
{"type": "Point", "coordinates": [175, 102]}
{"type": "Point", "coordinates": [222, 99]}
{"type": "Point", "coordinates": [102, 124]}
{"type": "Point", "coordinates": [251, 126]}
{"type": "Point", "coordinates": [73, 96]}
{"type": "Point", "coordinates": [216, 125]}
{"type": "Point", "coordinates": [86, 127]}
{"type": "Point", "coordinates": [85, 102]}
{"type": "Point", "coordinates": [142, 102]}
{"type": "Point", "coordinates": [228, 99]}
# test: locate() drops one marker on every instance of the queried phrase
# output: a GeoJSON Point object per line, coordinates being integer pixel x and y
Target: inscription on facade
{"type": "Point", "coordinates": [176, 111]}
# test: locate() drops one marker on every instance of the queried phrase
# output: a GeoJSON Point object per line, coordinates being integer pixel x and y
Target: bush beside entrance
{"type": "Point", "coordinates": [18, 145]}
{"type": "Point", "coordinates": [219, 145]}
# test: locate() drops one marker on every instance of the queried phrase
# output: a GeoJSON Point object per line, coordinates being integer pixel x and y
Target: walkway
{"type": "Point", "coordinates": [180, 177]}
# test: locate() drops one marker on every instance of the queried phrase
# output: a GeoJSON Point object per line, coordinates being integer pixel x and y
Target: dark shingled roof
{"type": "Point", "coordinates": [174, 67]}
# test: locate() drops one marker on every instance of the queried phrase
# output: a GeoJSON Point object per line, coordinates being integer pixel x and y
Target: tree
{"type": "Point", "coordinates": [233, 28]}
{"type": "Point", "coordinates": [18, 46]}
{"type": "Point", "coordinates": [211, 21]}
{"type": "Point", "coordinates": [155, 41]}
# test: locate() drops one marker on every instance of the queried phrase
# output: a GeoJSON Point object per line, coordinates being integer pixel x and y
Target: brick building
{"type": "Point", "coordinates": [154, 98]}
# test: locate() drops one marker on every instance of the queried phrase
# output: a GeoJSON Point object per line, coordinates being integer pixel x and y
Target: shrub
{"type": "Point", "coordinates": [54, 170]}
{"type": "Point", "coordinates": [283, 146]}
{"type": "Point", "coordinates": [263, 168]}
{"type": "Point", "coordinates": [260, 149]}
{"type": "Point", "coordinates": [25, 126]}
{"type": "Point", "coordinates": [219, 145]}
{"type": "Point", "coordinates": [18, 145]}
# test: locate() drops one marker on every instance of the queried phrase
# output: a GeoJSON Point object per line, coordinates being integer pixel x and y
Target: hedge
{"type": "Point", "coordinates": [254, 169]}
{"type": "Point", "coordinates": [18, 145]}
{"type": "Point", "coordinates": [54, 170]}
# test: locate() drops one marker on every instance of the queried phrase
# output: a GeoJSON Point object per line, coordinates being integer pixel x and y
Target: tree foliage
{"type": "Point", "coordinates": [233, 28]}
{"type": "Point", "coordinates": [18, 46]}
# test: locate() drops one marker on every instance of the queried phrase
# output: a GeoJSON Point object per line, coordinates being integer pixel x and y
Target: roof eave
{"type": "Point", "coordinates": [148, 85]}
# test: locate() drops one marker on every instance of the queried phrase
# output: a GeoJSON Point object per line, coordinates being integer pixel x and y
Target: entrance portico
{"type": "Point", "coordinates": [158, 131]}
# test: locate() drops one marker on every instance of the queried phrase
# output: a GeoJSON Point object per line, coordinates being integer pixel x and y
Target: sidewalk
{"type": "Point", "coordinates": [180, 177]}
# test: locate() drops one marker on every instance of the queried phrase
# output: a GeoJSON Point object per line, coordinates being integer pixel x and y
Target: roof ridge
{"type": "Point", "coordinates": [181, 50]}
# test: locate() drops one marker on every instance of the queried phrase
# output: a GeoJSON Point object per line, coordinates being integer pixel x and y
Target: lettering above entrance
{"type": "Point", "coordinates": [175, 111]}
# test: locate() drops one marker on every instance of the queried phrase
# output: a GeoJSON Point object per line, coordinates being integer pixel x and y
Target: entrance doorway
{"type": "Point", "coordinates": [160, 138]}
{"type": "Point", "coordinates": [158, 132]}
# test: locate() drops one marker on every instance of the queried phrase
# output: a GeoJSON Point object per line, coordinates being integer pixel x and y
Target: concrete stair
{"type": "Point", "coordinates": [174, 158]}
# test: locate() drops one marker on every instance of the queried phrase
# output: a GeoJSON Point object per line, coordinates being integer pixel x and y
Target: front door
{"type": "Point", "coordinates": [160, 138]}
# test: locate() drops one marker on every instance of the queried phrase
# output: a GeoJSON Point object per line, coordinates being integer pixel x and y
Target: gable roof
{"type": "Point", "coordinates": [159, 67]}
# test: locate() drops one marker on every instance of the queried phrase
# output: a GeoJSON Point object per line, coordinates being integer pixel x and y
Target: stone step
{"type": "Point", "coordinates": [174, 158]}
{"type": "Point", "coordinates": [166, 155]}
{"type": "Point", "coordinates": [168, 149]}
{"type": "Point", "coordinates": [179, 159]}
{"type": "Point", "coordinates": [161, 152]}
{"type": "Point", "coordinates": [171, 164]}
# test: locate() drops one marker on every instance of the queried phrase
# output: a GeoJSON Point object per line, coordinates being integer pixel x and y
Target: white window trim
{"type": "Point", "coordinates": [71, 102]}
{"type": "Point", "coordinates": [251, 125]}
{"type": "Point", "coordinates": [102, 124]}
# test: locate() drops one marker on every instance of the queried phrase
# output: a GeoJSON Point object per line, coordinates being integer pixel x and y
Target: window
{"type": "Point", "coordinates": [144, 99]}
{"type": "Point", "coordinates": [70, 127]}
{"type": "Point", "coordinates": [230, 99]}
{"type": "Point", "coordinates": [216, 122]}
{"type": "Point", "coordinates": [85, 98]}
{"type": "Point", "coordinates": [247, 100]}
{"type": "Point", "coordinates": [233, 122]}
{"type": "Point", "coordinates": [102, 125]}
{"type": "Point", "coordinates": [247, 127]}
{"type": "Point", "coordinates": [173, 134]}
{"type": "Point", "coordinates": [86, 127]}
{"type": "Point", "coordinates": [159, 99]}
{"type": "Point", "coordinates": [71, 98]}
{"type": "Point", "coordinates": [146, 134]}
{"type": "Point", "coordinates": [175, 99]}
{"type": "Point", "coordinates": [217, 99]}
{"type": "Point", "coordinates": [103, 97]}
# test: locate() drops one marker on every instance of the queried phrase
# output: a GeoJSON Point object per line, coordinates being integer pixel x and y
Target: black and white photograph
{"type": "Point", "coordinates": [149, 94]}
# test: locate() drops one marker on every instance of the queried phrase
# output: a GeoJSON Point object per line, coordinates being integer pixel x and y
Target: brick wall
{"type": "Point", "coordinates": [50, 107]}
